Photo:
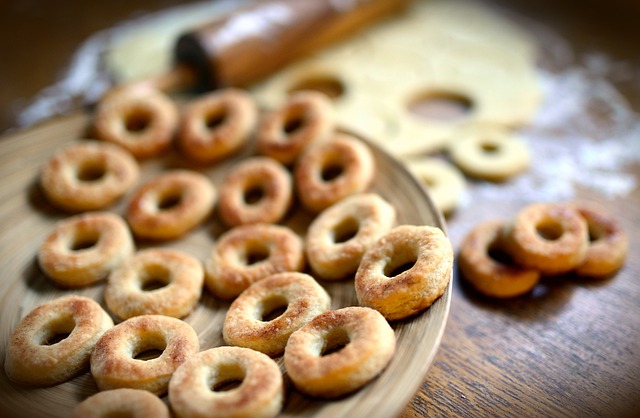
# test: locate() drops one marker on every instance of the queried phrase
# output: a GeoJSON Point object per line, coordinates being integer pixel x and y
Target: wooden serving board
{"type": "Point", "coordinates": [26, 218]}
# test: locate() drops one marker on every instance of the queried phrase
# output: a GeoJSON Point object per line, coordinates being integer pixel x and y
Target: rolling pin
{"type": "Point", "coordinates": [249, 44]}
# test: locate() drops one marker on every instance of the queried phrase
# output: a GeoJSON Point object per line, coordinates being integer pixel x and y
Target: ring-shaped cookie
{"type": "Point", "coordinates": [133, 403]}
{"type": "Point", "coordinates": [141, 120]}
{"type": "Point", "coordinates": [338, 237]}
{"type": "Point", "coordinates": [339, 351]}
{"type": "Point", "coordinates": [114, 362]}
{"type": "Point", "coordinates": [306, 117]}
{"type": "Point", "coordinates": [170, 205]}
{"type": "Point", "coordinates": [217, 125]}
{"type": "Point", "coordinates": [445, 182]}
{"type": "Point", "coordinates": [608, 242]}
{"type": "Point", "coordinates": [53, 342]}
{"type": "Point", "coordinates": [552, 238]}
{"type": "Point", "coordinates": [256, 190]}
{"type": "Point", "coordinates": [483, 263]}
{"type": "Point", "coordinates": [245, 254]}
{"type": "Point", "coordinates": [83, 249]}
{"type": "Point", "coordinates": [405, 271]}
{"type": "Point", "coordinates": [158, 281]}
{"type": "Point", "coordinates": [296, 298]}
{"type": "Point", "coordinates": [197, 388]}
{"type": "Point", "coordinates": [489, 152]}
{"type": "Point", "coordinates": [330, 170]}
{"type": "Point", "coordinates": [88, 176]}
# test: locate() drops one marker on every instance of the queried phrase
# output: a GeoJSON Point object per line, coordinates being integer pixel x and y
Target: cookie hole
{"type": "Point", "coordinates": [253, 195]}
{"type": "Point", "coordinates": [293, 123]}
{"type": "Point", "coordinates": [331, 172]}
{"type": "Point", "coordinates": [56, 338]}
{"type": "Point", "coordinates": [137, 121]}
{"type": "Point", "coordinates": [345, 230]}
{"type": "Point", "coordinates": [401, 258]}
{"type": "Point", "coordinates": [489, 148]}
{"type": "Point", "coordinates": [154, 277]}
{"type": "Point", "coordinates": [91, 171]}
{"type": "Point", "coordinates": [442, 106]}
{"type": "Point", "coordinates": [329, 86]}
{"type": "Point", "coordinates": [57, 331]}
{"type": "Point", "coordinates": [153, 284]}
{"type": "Point", "coordinates": [273, 307]}
{"type": "Point", "coordinates": [149, 354]}
{"type": "Point", "coordinates": [215, 119]}
{"type": "Point", "coordinates": [595, 233]}
{"type": "Point", "coordinates": [84, 241]}
{"type": "Point", "coordinates": [256, 254]}
{"type": "Point", "coordinates": [228, 378]}
{"type": "Point", "coordinates": [227, 385]}
{"type": "Point", "coordinates": [169, 201]}
{"type": "Point", "coordinates": [550, 230]}
{"type": "Point", "coordinates": [149, 349]}
{"type": "Point", "coordinates": [393, 271]}
{"type": "Point", "coordinates": [498, 255]}
{"type": "Point", "coordinates": [336, 340]}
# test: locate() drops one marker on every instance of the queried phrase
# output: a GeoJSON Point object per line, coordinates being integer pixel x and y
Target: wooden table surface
{"type": "Point", "coordinates": [572, 346]}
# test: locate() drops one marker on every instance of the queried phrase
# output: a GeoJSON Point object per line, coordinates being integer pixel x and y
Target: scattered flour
{"type": "Point", "coordinates": [585, 135]}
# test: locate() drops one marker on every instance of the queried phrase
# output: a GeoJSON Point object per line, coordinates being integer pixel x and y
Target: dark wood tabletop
{"type": "Point", "coordinates": [569, 348]}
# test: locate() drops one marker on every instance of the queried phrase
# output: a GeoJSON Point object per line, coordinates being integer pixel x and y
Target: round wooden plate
{"type": "Point", "coordinates": [26, 218]}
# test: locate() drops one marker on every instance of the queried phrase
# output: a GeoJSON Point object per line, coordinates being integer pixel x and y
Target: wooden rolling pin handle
{"type": "Point", "coordinates": [248, 45]}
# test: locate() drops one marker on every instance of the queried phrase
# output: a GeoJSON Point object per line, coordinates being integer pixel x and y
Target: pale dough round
{"type": "Point", "coordinates": [444, 181]}
{"type": "Point", "coordinates": [490, 153]}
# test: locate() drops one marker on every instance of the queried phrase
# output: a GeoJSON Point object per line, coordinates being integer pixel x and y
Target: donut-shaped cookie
{"type": "Point", "coordinates": [330, 170]}
{"type": "Point", "coordinates": [296, 298]}
{"type": "Point", "coordinates": [256, 190]}
{"type": "Point", "coordinates": [245, 254]}
{"type": "Point", "coordinates": [484, 264]}
{"type": "Point", "coordinates": [339, 236]}
{"type": "Point", "coordinates": [158, 281]}
{"type": "Point", "coordinates": [339, 351]}
{"type": "Point", "coordinates": [445, 182]}
{"type": "Point", "coordinates": [83, 249]}
{"type": "Point", "coordinates": [88, 176]}
{"type": "Point", "coordinates": [197, 389]}
{"type": "Point", "coordinates": [551, 238]}
{"type": "Point", "coordinates": [608, 242]}
{"type": "Point", "coordinates": [114, 362]}
{"type": "Point", "coordinates": [489, 152]}
{"type": "Point", "coordinates": [306, 117]}
{"type": "Point", "coordinates": [53, 342]}
{"type": "Point", "coordinates": [405, 271]}
{"type": "Point", "coordinates": [133, 403]}
{"type": "Point", "coordinates": [170, 205]}
{"type": "Point", "coordinates": [143, 121]}
{"type": "Point", "coordinates": [216, 125]}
